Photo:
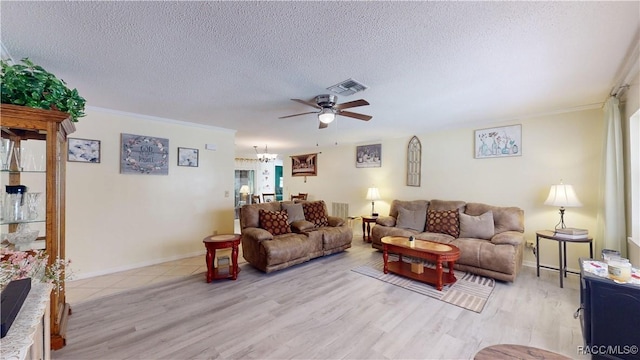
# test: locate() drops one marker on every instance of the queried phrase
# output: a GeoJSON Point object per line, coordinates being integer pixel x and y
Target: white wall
{"type": "Point", "coordinates": [117, 221]}
{"type": "Point", "coordinates": [562, 146]}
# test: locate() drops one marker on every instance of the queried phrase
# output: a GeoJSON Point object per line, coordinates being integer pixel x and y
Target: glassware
{"type": "Point", "coordinates": [21, 159]}
{"type": "Point", "coordinates": [33, 201]}
{"type": "Point", "coordinates": [6, 150]}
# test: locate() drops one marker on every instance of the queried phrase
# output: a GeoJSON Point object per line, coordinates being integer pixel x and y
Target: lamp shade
{"type": "Point", "coordinates": [562, 195]}
{"type": "Point", "coordinates": [244, 189]}
{"type": "Point", "coordinates": [373, 194]}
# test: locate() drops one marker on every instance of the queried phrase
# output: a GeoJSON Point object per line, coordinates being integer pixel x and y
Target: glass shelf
{"type": "Point", "coordinates": [23, 171]}
{"type": "Point", "coordinates": [5, 222]}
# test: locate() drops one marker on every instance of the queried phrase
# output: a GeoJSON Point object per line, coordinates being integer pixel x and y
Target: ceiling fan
{"type": "Point", "coordinates": [329, 109]}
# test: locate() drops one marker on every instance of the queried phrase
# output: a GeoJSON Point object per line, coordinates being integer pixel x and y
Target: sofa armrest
{"type": "Point", "coordinates": [514, 238]}
{"type": "Point", "coordinates": [257, 233]}
{"type": "Point", "coordinates": [335, 221]}
{"type": "Point", "coordinates": [386, 221]}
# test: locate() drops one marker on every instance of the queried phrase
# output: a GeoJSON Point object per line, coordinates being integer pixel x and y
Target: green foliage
{"type": "Point", "coordinates": [30, 85]}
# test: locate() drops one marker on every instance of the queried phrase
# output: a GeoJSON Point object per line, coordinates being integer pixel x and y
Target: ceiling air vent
{"type": "Point", "coordinates": [347, 87]}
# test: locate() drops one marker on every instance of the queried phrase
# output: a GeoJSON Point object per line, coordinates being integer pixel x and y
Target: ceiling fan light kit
{"type": "Point", "coordinates": [326, 103]}
{"type": "Point", "coordinates": [326, 116]}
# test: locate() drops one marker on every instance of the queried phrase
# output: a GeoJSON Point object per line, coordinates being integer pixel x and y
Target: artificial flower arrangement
{"type": "Point", "coordinates": [16, 265]}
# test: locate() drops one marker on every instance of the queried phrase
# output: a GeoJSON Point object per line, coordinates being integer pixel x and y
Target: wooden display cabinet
{"type": "Point", "coordinates": [24, 124]}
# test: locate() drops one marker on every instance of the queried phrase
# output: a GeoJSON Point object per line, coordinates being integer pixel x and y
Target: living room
{"type": "Point", "coordinates": [117, 222]}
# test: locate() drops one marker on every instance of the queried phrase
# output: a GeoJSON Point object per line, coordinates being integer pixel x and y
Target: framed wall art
{"type": "Point", "coordinates": [141, 154]}
{"type": "Point", "coordinates": [498, 142]}
{"type": "Point", "coordinates": [187, 157]}
{"type": "Point", "coordinates": [304, 165]}
{"type": "Point", "coordinates": [83, 150]}
{"type": "Point", "coordinates": [369, 156]}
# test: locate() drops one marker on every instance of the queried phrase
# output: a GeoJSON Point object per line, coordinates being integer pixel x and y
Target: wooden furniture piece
{"type": "Point", "coordinates": [303, 196]}
{"type": "Point", "coordinates": [255, 199]}
{"type": "Point", "coordinates": [367, 220]}
{"type": "Point", "coordinates": [562, 252]}
{"type": "Point", "coordinates": [420, 249]}
{"type": "Point", "coordinates": [24, 124]}
{"type": "Point", "coordinates": [609, 315]}
{"type": "Point", "coordinates": [268, 197]}
{"type": "Point", "coordinates": [511, 351]}
{"type": "Point", "coordinates": [29, 336]}
{"type": "Point", "coordinates": [218, 242]}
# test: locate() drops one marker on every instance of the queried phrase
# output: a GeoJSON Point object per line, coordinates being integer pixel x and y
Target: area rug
{"type": "Point", "coordinates": [470, 292]}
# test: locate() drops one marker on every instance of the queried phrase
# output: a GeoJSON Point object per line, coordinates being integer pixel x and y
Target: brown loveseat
{"type": "Point", "coordinates": [490, 238]}
{"type": "Point", "coordinates": [276, 235]}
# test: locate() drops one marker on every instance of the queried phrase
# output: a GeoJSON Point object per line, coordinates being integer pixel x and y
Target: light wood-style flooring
{"type": "Point", "coordinates": [322, 310]}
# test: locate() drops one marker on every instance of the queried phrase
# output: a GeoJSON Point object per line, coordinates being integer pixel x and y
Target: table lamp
{"type": "Point", "coordinates": [244, 190]}
{"type": "Point", "coordinates": [373, 194]}
{"type": "Point", "coordinates": [562, 195]}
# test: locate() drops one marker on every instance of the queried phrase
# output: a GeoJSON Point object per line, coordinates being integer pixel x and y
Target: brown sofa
{"type": "Point", "coordinates": [277, 235]}
{"type": "Point", "coordinates": [490, 238]}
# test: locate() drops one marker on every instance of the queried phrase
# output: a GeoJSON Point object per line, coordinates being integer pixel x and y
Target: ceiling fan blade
{"type": "Point", "coordinates": [288, 116]}
{"type": "Point", "coordinates": [312, 104]}
{"type": "Point", "coordinates": [351, 104]}
{"type": "Point", "coordinates": [322, 125]}
{"type": "Point", "coordinates": [355, 115]}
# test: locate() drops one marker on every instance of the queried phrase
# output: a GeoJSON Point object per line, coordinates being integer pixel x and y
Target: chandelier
{"type": "Point", "coordinates": [265, 156]}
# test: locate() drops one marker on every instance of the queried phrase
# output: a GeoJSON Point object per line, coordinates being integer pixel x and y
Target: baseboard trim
{"type": "Point", "coordinates": [137, 266]}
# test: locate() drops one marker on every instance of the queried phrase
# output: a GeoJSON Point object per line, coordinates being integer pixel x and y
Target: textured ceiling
{"type": "Point", "coordinates": [428, 65]}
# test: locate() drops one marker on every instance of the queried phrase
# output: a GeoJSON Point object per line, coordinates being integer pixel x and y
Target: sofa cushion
{"type": "Point", "coordinates": [479, 227]}
{"type": "Point", "coordinates": [411, 219]}
{"type": "Point", "coordinates": [302, 226]}
{"type": "Point", "coordinates": [315, 212]}
{"type": "Point", "coordinates": [275, 222]}
{"type": "Point", "coordinates": [409, 205]}
{"type": "Point", "coordinates": [444, 221]}
{"type": "Point", "coordinates": [294, 211]}
{"type": "Point", "coordinates": [504, 218]}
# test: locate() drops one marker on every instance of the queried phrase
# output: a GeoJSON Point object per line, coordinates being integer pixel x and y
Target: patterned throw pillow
{"type": "Point", "coordinates": [315, 213]}
{"type": "Point", "coordinates": [444, 222]}
{"type": "Point", "coordinates": [275, 222]}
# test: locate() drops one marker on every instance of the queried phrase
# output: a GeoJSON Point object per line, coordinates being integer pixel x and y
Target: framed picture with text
{"type": "Point", "coordinates": [140, 154]}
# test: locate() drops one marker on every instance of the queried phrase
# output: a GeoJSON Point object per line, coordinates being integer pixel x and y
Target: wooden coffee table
{"type": "Point", "coordinates": [425, 250]}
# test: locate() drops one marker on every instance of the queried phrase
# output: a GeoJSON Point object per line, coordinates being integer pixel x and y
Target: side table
{"type": "Point", "coordinates": [217, 242]}
{"type": "Point", "coordinates": [562, 252]}
{"type": "Point", "coordinates": [367, 220]}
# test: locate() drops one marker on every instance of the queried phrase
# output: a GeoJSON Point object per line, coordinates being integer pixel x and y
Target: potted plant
{"type": "Point", "coordinates": [28, 84]}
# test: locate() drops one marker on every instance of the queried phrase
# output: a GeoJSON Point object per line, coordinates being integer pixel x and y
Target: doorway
{"type": "Point", "coordinates": [279, 183]}
{"type": "Point", "coordinates": [244, 187]}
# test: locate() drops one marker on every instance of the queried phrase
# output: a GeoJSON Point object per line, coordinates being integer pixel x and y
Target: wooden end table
{"type": "Point", "coordinates": [218, 242]}
{"type": "Point", "coordinates": [421, 249]}
{"type": "Point", "coordinates": [562, 252]}
{"type": "Point", "coordinates": [367, 220]}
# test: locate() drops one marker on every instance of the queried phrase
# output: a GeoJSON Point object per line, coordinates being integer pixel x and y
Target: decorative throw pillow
{"type": "Point", "coordinates": [315, 212]}
{"type": "Point", "coordinates": [411, 219]}
{"type": "Point", "coordinates": [275, 222]}
{"type": "Point", "coordinates": [478, 227]}
{"type": "Point", "coordinates": [444, 222]}
{"type": "Point", "coordinates": [294, 211]}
